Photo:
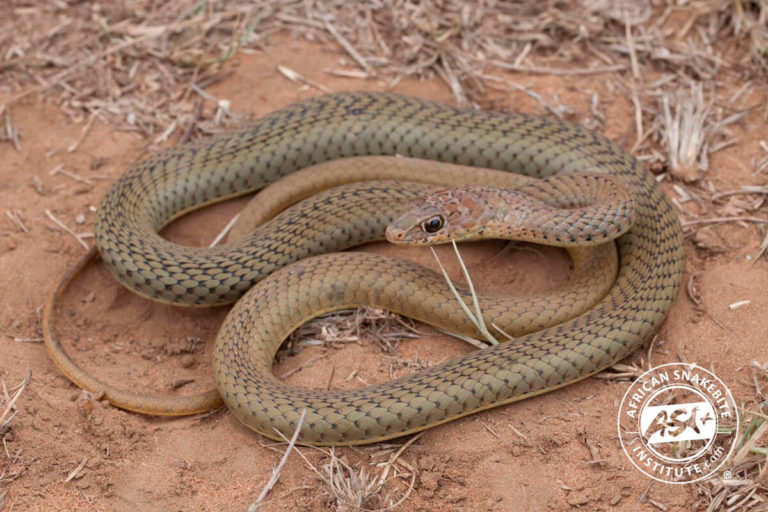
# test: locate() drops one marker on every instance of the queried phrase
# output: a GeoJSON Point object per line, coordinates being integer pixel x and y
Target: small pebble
{"type": "Point", "coordinates": [187, 361]}
{"type": "Point", "coordinates": [79, 218]}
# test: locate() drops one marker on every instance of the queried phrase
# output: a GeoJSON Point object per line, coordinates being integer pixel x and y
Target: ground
{"type": "Point", "coordinates": [558, 451]}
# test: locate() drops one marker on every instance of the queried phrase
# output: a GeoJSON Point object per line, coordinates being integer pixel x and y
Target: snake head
{"type": "Point", "coordinates": [455, 214]}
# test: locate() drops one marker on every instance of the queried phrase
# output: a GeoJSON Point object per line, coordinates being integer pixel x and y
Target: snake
{"type": "Point", "coordinates": [283, 274]}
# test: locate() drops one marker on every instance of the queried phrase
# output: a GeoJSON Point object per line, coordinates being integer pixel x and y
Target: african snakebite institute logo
{"type": "Point", "coordinates": [678, 423]}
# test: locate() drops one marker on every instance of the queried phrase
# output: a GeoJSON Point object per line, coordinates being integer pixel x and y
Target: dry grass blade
{"type": "Point", "coordinates": [8, 403]}
{"type": "Point", "coordinates": [8, 411]}
{"type": "Point", "coordinates": [477, 317]}
{"type": "Point", "coordinates": [10, 133]}
{"type": "Point", "coordinates": [346, 45]}
{"type": "Point", "coordinates": [256, 505]}
{"type": "Point", "coordinates": [621, 372]}
{"type": "Point", "coordinates": [77, 236]}
{"type": "Point", "coordinates": [743, 485]}
{"type": "Point", "coordinates": [224, 232]}
{"type": "Point", "coordinates": [76, 471]}
{"type": "Point", "coordinates": [297, 77]}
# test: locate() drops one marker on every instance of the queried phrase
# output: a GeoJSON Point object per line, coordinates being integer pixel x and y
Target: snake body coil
{"type": "Point", "coordinates": [352, 124]}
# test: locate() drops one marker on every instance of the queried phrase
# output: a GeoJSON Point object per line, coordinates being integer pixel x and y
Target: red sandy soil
{"type": "Point", "coordinates": [139, 463]}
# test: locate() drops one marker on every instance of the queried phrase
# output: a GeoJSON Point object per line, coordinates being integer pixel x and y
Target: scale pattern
{"type": "Point", "coordinates": [352, 124]}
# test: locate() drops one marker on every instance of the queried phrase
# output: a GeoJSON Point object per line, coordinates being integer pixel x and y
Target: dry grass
{"type": "Point", "coordinates": [360, 487]}
{"type": "Point", "coordinates": [688, 130]}
{"type": "Point", "coordinates": [9, 470]}
{"type": "Point", "coordinates": [144, 68]}
{"type": "Point", "coordinates": [742, 484]}
{"type": "Point", "coordinates": [355, 326]}
{"type": "Point", "coordinates": [8, 407]}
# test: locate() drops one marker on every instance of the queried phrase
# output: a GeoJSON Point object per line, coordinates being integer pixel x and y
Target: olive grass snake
{"type": "Point", "coordinates": [169, 183]}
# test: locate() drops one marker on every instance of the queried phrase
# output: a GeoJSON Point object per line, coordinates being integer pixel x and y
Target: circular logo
{"type": "Point", "coordinates": [678, 423]}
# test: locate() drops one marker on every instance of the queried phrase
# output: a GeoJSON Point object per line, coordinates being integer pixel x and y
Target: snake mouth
{"type": "Point", "coordinates": [405, 236]}
{"type": "Point", "coordinates": [416, 236]}
{"type": "Point", "coordinates": [405, 230]}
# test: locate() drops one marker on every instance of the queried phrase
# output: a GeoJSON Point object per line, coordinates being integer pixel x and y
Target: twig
{"type": "Point", "coordinates": [745, 189]}
{"type": "Point", "coordinates": [65, 228]}
{"type": "Point", "coordinates": [638, 117]}
{"type": "Point", "coordinates": [84, 132]}
{"type": "Point", "coordinates": [489, 429]}
{"type": "Point", "coordinates": [59, 169]}
{"type": "Point", "coordinates": [519, 434]}
{"type": "Point", "coordinates": [719, 220]}
{"type": "Point", "coordinates": [346, 45]}
{"type": "Point", "coordinates": [20, 339]}
{"type": "Point", "coordinates": [631, 46]}
{"type": "Point", "coordinates": [11, 132]}
{"type": "Point", "coordinates": [224, 231]}
{"type": "Point", "coordinates": [221, 105]}
{"type": "Point", "coordinates": [16, 219]}
{"type": "Point", "coordinates": [527, 91]}
{"type": "Point", "coordinates": [188, 132]}
{"type": "Point", "coordinates": [305, 364]}
{"type": "Point", "coordinates": [739, 304]}
{"type": "Point", "coordinates": [558, 71]}
{"type": "Point", "coordinates": [276, 472]}
{"type": "Point", "coordinates": [467, 339]}
{"type": "Point", "coordinates": [397, 454]}
{"type": "Point", "coordinates": [75, 471]}
{"type": "Point", "coordinates": [761, 250]}
{"type": "Point", "coordinates": [346, 73]}
{"type": "Point", "coordinates": [293, 76]}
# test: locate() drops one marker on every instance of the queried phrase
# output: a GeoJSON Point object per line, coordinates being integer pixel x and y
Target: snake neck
{"type": "Point", "coordinates": [485, 213]}
{"type": "Point", "coordinates": [596, 209]}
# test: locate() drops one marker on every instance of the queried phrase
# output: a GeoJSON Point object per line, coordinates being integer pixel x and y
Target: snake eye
{"type": "Point", "coordinates": [433, 224]}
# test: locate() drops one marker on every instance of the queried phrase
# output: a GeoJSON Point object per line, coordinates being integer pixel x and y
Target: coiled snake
{"type": "Point", "coordinates": [336, 126]}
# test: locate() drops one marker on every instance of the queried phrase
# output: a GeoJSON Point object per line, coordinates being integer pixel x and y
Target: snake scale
{"type": "Point", "coordinates": [174, 181]}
